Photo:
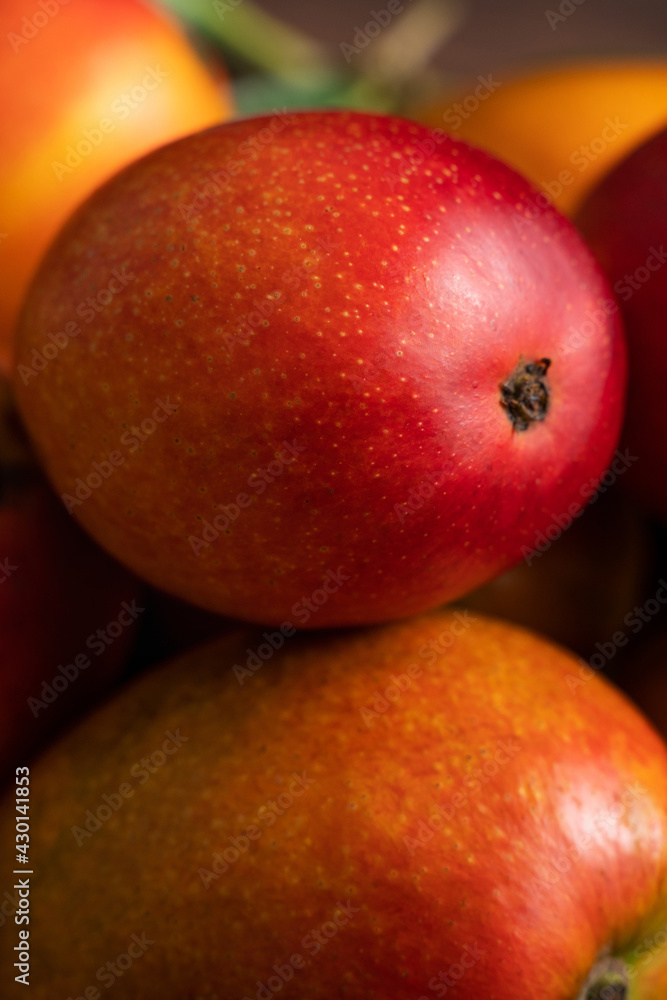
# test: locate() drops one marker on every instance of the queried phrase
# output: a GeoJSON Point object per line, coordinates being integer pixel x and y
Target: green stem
{"type": "Point", "coordinates": [383, 75]}
{"type": "Point", "coordinates": [264, 42]}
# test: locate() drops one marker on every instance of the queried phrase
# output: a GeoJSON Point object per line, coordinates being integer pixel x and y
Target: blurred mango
{"type": "Point", "coordinates": [564, 126]}
{"type": "Point", "coordinates": [86, 87]}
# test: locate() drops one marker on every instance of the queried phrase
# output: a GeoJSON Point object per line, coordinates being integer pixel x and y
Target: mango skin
{"type": "Point", "coordinates": [398, 294]}
{"type": "Point", "coordinates": [59, 83]}
{"type": "Point", "coordinates": [550, 840]}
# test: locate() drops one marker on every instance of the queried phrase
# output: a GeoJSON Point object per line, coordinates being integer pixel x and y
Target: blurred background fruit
{"type": "Point", "coordinates": [68, 611]}
{"type": "Point", "coordinates": [625, 223]}
{"type": "Point", "coordinates": [641, 670]}
{"type": "Point", "coordinates": [563, 126]}
{"type": "Point", "coordinates": [580, 588]}
{"type": "Point", "coordinates": [87, 87]}
{"type": "Point", "coordinates": [644, 677]}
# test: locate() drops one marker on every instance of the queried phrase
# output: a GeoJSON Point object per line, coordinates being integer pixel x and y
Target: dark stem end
{"type": "Point", "coordinates": [525, 393]}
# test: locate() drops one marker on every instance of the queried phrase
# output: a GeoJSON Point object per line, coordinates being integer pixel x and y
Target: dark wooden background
{"type": "Point", "coordinates": [498, 34]}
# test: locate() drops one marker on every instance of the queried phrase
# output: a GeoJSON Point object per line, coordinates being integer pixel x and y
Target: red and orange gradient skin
{"type": "Point", "coordinates": [552, 849]}
{"type": "Point", "coordinates": [64, 80]}
{"type": "Point", "coordinates": [338, 294]}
